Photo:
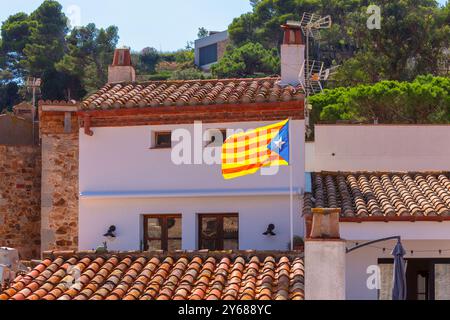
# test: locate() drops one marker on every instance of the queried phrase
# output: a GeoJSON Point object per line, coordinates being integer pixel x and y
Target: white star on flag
{"type": "Point", "coordinates": [279, 144]}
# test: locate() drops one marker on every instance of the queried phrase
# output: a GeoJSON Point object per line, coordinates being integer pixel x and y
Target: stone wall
{"type": "Point", "coordinates": [59, 212]}
{"type": "Point", "coordinates": [221, 48]}
{"type": "Point", "coordinates": [20, 186]}
{"type": "Point", "coordinates": [15, 131]}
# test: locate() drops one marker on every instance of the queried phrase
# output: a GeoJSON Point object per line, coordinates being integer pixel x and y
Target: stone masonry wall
{"type": "Point", "coordinates": [59, 213]}
{"type": "Point", "coordinates": [20, 199]}
{"type": "Point", "coordinates": [221, 48]}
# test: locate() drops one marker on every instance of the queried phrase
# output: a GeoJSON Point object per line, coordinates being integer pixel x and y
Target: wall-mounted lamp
{"type": "Point", "coordinates": [111, 234]}
{"type": "Point", "coordinates": [270, 229]}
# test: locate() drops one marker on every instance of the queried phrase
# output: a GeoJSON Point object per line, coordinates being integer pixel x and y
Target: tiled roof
{"type": "Point", "coordinates": [382, 195]}
{"type": "Point", "coordinates": [191, 92]}
{"type": "Point", "coordinates": [194, 276]}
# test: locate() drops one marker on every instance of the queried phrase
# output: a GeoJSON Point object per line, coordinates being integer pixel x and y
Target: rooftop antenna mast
{"type": "Point", "coordinates": [313, 72]}
{"type": "Point", "coordinates": [33, 85]}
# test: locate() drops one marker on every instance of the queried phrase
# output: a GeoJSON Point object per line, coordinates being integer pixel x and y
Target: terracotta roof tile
{"type": "Point", "coordinates": [387, 196]}
{"type": "Point", "coordinates": [190, 92]}
{"type": "Point", "coordinates": [230, 276]}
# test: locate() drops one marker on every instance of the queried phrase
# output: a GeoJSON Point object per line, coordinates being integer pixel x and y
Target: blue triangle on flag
{"type": "Point", "coordinates": [280, 144]}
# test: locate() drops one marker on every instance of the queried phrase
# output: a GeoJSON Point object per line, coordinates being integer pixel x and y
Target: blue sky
{"type": "Point", "coordinates": [163, 24]}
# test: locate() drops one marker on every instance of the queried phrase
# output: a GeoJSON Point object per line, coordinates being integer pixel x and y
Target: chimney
{"type": "Point", "coordinates": [325, 257]}
{"type": "Point", "coordinates": [121, 69]}
{"type": "Point", "coordinates": [24, 110]}
{"type": "Point", "coordinates": [292, 54]}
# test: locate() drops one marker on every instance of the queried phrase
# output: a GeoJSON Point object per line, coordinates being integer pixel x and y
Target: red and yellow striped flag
{"type": "Point", "coordinates": [246, 153]}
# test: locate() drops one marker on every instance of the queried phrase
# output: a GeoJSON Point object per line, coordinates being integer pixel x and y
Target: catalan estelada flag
{"type": "Point", "coordinates": [246, 153]}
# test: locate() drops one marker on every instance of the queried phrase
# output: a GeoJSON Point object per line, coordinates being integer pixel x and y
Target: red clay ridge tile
{"type": "Point", "coordinates": [190, 92]}
{"type": "Point", "coordinates": [375, 196]}
{"type": "Point", "coordinates": [196, 276]}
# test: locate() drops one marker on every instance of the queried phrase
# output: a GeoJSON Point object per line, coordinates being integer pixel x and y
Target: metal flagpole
{"type": "Point", "coordinates": [291, 189]}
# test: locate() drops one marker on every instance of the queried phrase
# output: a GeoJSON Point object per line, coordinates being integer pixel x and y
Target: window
{"type": "Point", "coordinates": [422, 285]}
{"type": "Point", "coordinates": [163, 140]}
{"type": "Point", "coordinates": [162, 232]}
{"type": "Point", "coordinates": [216, 137]}
{"type": "Point", "coordinates": [426, 279]}
{"type": "Point", "coordinates": [208, 54]}
{"type": "Point", "coordinates": [219, 231]}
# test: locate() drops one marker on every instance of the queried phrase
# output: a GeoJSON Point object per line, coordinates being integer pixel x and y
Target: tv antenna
{"type": "Point", "coordinates": [313, 73]}
{"type": "Point", "coordinates": [33, 85]}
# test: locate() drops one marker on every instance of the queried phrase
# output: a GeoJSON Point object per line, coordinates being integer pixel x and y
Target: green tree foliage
{"type": "Point", "coordinates": [9, 91]}
{"type": "Point", "coordinates": [185, 60]}
{"type": "Point", "coordinates": [424, 100]}
{"type": "Point", "coordinates": [413, 37]}
{"type": "Point", "coordinates": [15, 33]}
{"type": "Point", "coordinates": [202, 32]}
{"type": "Point", "coordinates": [187, 74]}
{"type": "Point", "coordinates": [177, 65]}
{"type": "Point", "coordinates": [412, 41]}
{"type": "Point", "coordinates": [45, 44]}
{"type": "Point", "coordinates": [146, 61]}
{"type": "Point", "coordinates": [89, 51]}
{"type": "Point", "coordinates": [40, 45]}
{"type": "Point", "coordinates": [251, 59]}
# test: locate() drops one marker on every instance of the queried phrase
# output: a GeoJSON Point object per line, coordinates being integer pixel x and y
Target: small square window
{"type": "Point", "coordinates": [163, 140]}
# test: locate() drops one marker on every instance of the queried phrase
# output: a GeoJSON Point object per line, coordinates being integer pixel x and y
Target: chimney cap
{"type": "Point", "coordinates": [122, 57]}
{"type": "Point", "coordinates": [292, 24]}
{"type": "Point", "coordinates": [293, 34]}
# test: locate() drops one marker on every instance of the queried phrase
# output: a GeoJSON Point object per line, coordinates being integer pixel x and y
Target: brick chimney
{"type": "Point", "coordinates": [325, 257]}
{"type": "Point", "coordinates": [121, 69]}
{"type": "Point", "coordinates": [292, 53]}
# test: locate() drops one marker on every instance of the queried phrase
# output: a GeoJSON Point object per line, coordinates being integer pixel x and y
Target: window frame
{"type": "Point", "coordinates": [219, 239]}
{"type": "Point", "coordinates": [155, 144]}
{"type": "Point", "coordinates": [432, 262]}
{"type": "Point", "coordinates": [164, 230]}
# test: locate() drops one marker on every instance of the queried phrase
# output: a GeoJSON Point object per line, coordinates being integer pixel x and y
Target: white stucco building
{"type": "Point", "coordinates": [386, 180]}
{"type": "Point", "coordinates": [123, 179]}
{"type": "Point", "coordinates": [128, 177]}
{"type": "Point", "coordinates": [389, 181]}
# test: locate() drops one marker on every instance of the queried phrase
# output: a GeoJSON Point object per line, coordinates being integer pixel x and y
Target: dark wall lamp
{"type": "Point", "coordinates": [111, 234]}
{"type": "Point", "coordinates": [270, 230]}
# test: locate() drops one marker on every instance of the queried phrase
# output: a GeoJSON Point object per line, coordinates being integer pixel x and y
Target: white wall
{"type": "Point", "coordinates": [255, 214]}
{"type": "Point", "coordinates": [120, 160]}
{"type": "Point", "coordinates": [310, 164]}
{"type": "Point", "coordinates": [122, 178]}
{"type": "Point", "coordinates": [415, 236]}
{"type": "Point", "coordinates": [420, 230]}
{"type": "Point", "coordinates": [381, 148]}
